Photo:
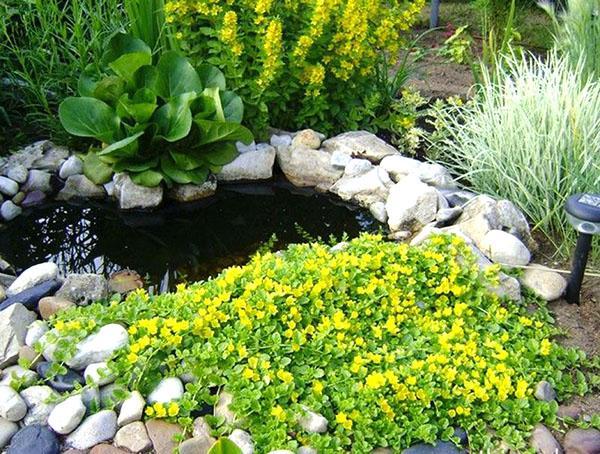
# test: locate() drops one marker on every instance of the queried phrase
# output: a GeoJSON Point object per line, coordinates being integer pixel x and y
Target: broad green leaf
{"type": "Point", "coordinates": [211, 77]}
{"type": "Point", "coordinates": [187, 161]}
{"type": "Point", "coordinates": [146, 77]}
{"type": "Point", "coordinates": [233, 107]}
{"type": "Point", "coordinates": [180, 176]}
{"type": "Point", "coordinates": [217, 131]}
{"type": "Point", "coordinates": [124, 148]}
{"type": "Point", "coordinates": [148, 178]}
{"type": "Point", "coordinates": [140, 108]}
{"type": "Point", "coordinates": [95, 169]}
{"type": "Point", "coordinates": [89, 117]}
{"type": "Point", "coordinates": [110, 89]}
{"type": "Point", "coordinates": [176, 76]}
{"type": "Point", "coordinates": [175, 118]}
{"type": "Point", "coordinates": [224, 446]}
{"type": "Point", "coordinates": [87, 81]}
{"type": "Point", "coordinates": [203, 107]}
{"type": "Point", "coordinates": [121, 44]}
{"type": "Point", "coordinates": [213, 93]}
{"type": "Point", "coordinates": [220, 154]}
{"type": "Point", "coordinates": [198, 176]}
{"type": "Point", "coordinates": [135, 165]}
{"type": "Point", "coordinates": [126, 65]}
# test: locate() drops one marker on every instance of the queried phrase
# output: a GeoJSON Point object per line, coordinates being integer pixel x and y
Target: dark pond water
{"type": "Point", "coordinates": [190, 242]}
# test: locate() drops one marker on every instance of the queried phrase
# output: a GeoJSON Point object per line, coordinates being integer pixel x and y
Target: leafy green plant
{"type": "Point", "coordinates": [457, 48]}
{"type": "Point", "coordinates": [224, 446]}
{"type": "Point", "coordinates": [147, 22]}
{"type": "Point", "coordinates": [157, 122]}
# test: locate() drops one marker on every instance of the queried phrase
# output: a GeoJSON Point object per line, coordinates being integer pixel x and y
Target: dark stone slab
{"type": "Point", "coordinates": [34, 439]}
{"type": "Point", "coordinates": [30, 297]}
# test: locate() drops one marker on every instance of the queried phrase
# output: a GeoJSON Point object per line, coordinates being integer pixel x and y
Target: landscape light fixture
{"type": "Point", "coordinates": [583, 212]}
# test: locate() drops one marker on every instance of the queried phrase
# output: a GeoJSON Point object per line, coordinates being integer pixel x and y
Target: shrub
{"type": "Point", "coordinates": [297, 64]}
{"type": "Point", "coordinates": [531, 137]}
{"type": "Point", "coordinates": [392, 344]}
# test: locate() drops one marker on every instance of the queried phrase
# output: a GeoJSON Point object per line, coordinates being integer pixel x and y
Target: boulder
{"type": "Point", "coordinates": [13, 327]}
{"type": "Point", "coordinates": [10, 211]}
{"type": "Point", "coordinates": [34, 439]}
{"type": "Point", "coordinates": [167, 390]}
{"type": "Point", "coordinates": [99, 347]}
{"type": "Point", "coordinates": [306, 167]}
{"type": "Point", "coordinates": [364, 189]}
{"type": "Point", "coordinates": [12, 405]}
{"type": "Point", "coordinates": [38, 180]}
{"type": "Point", "coordinates": [184, 193]}
{"type": "Point", "coordinates": [544, 282]}
{"type": "Point", "coordinates": [506, 249]}
{"type": "Point", "coordinates": [67, 415]}
{"type": "Point", "coordinates": [360, 144]}
{"type": "Point", "coordinates": [33, 276]}
{"type": "Point", "coordinates": [582, 441]}
{"type": "Point", "coordinates": [133, 196]}
{"type": "Point", "coordinates": [255, 165]}
{"type": "Point", "coordinates": [411, 205]}
{"type": "Point", "coordinates": [38, 407]}
{"type": "Point", "coordinates": [83, 289]}
{"type": "Point", "coordinates": [72, 166]}
{"type": "Point", "coordinates": [544, 442]}
{"type": "Point", "coordinates": [80, 187]}
{"type": "Point", "coordinates": [95, 429]}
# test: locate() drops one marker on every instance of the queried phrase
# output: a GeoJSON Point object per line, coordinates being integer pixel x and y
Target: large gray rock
{"type": "Point", "coordinates": [66, 416]}
{"type": "Point", "coordinates": [95, 429]}
{"type": "Point", "coordinates": [10, 211]}
{"type": "Point", "coordinates": [582, 441]}
{"type": "Point", "coordinates": [12, 405]}
{"type": "Point", "coordinates": [133, 196]}
{"type": "Point", "coordinates": [411, 204]}
{"type": "Point", "coordinates": [13, 327]}
{"type": "Point", "coordinates": [133, 437]}
{"type": "Point", "coordinates": [7, 430]}
{"type": "Point", "coordinates": [192, 192]}
{"type": "Point", "coordinates": [544, 282]}
{"type": "Point", "coordinates": [33, 276]}
{"type": "Point", "coordinates": [305, 167]}
{"type": "Point", "coordinates": [504, 248]}
{"type": "Point", "coordinates": [83, 289]}
{"type": "Point", "coordinates": [544, 442]}
{"type": "Point", "coordinates": [167, 390]}
{"type": "Point", "coordinates": [38, 180]}
{"type": "Point", "coordinates": [8, 187]}
{"type": "Point", "coordinates": [52, 158]}
{"type": "Point", "coordinates": [80, 187]}
{"type": "Point", "coordinates": [360, 144]}
{"type": "Point", "coordinates": [99, 347]}
{"type": "Point", "coordinates": [18, 173]}
{"type": "Point", "coordinates": [364, 189]}
{"type": "Point", "coordinates": [38, 403]}
{"type": "Point", "coordinates": [254, 165]}
{"type": "Point", "coordinates": [399, 166]}
{"type": "Point", "coordinates": [132, 409]}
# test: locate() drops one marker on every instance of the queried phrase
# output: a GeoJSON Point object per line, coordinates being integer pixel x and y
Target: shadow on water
{"type": "Point", "coordinates": [190, 241]}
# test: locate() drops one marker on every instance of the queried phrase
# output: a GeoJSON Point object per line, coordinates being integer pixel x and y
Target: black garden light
{"type": "Point", "coordinates": [583, 212]}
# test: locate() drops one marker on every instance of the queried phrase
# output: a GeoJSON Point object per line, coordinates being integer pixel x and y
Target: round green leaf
{"type": "Point", "coordinates": [176, 76]}
{"type": "Point", "coordinates": [89, 117]}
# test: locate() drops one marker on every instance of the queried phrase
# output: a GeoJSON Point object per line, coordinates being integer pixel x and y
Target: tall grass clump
{"type": "Point", "coordinates": [531, 135]}
{"type": "Point", "coordinates": [44, 46]}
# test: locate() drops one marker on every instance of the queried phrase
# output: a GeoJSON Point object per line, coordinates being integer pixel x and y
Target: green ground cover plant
{"type": "Point", "coordinates": [392, 344]}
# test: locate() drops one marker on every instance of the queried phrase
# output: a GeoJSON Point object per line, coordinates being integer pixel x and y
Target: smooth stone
{"type": "Point", "coordinates": [168, 390]}
{"type": "Point", "coordinates": [243, 440]}
{"type": "Point", "coordinates": [8, 187]}
{"type": "Point", "coordinates": [132, 409]}
{"type": "Point", "coordinates": [543, 441]}
{"type": "Point", "coordinates": [508, 287]}
{"type": "Point", "coordinates": [569, 411]}
{"type": "Point", "coordinates": [504, 248]}
{"type": "Point", "coordinates": [35, 331]}
{"type": "Point", "coordinates": [98, 374]}
{"type": "Point", "coordinates": [356, 167]}
{"type": "Point", "coordinates": [254, 165]}
{"type": "Point", "coordinates": [83, 289]}
{"type": "Point", "coordinates": [80, 187]}
{"type": "Point", "coordinates": [67, 415]}
{"type": "Point", "coordinates": [38, 180]}
{"type": "Point", "coordinates": [340, 160]}
{"type": "Point", "coordinates": [378, 211]}
{"type": "Point", "coordinates": [133, 437]}
{"type": "Point", "coordinates": [95, 429]}
{"type": "Point", "coordinates": [124, 282]}
{"type": "Point", "coordinates": [30, 356]}
{"type": "Point", "coordinates": [99, 347]}
{"type": "Point", "coordinates": [399, 166]}
{"type": "Point", "coordinates": [109, 395]}
{"type": "Point", "coordinates": [436, 175]}
{"type": "Point", "coordinates": [61, 383]}
{"type": "Point", "coordinates": [33, 198]}
{"type": "Point", "coordinates": [243, 148]}
{"type": "Point", "coordinates": [30, 297]}
{"type": "Point", "coordinates": [17, 375]}
{"type": "Point", "coordinates": [36, 398]}
{"type": "Point", "coordinates": [306, 139]}
{"type": "Point", "coordinates": [544, 282]}
{"type": "Point", "coordinates": [13, 328]}
{"type": "Point", "coordinates": [51, 305]}
{"type": "Point", "coordinates": [364, 189]}
{"type": "Point", "coordinates": [281, 140]}
{"type": "Point", "coordinates": [18, 173]}
{"type": "Point", "coordinates": [33, 276]}
{"type": "Point", "coordinates": [133, 196]}
{"type": "Point", "coordinates": [307, 450]}
{"type": "Point", "coordinates": [197, 445]}
{"type": "Point", "coordinates": [360, 144]}
{"type": "Point", "coordinates": [184, 193]}
{"type": "Point", "coordinates": [545, 392]}
{"type": "Point", "coordinates": [201, 429]}
{"type": "Point", "coordinates": [313, 422]}
{"type": "Point", "coordinates": [9, 211]}
{"type": "Point", "coordinates": [457, 198]}
{"type": "Point", "coordinates": [52, 158]}
{"type": "Point", "coordinates": [7, 431]}
{"type": "Point", "coordinates": [161, 433]}
{"type": "Point", "coordinates": [411, 205]}
{"type": "Point", "coordinates": [582, 441]}
{"type": "Point", "coordinates": [222, 408]}
{"type": "Point", "coordinates": [382, 451]}
{"type": "Point", "coordinates": [104, 448]}
{"type": "Point", "coordinates": [72, 166]}
{"type": "Point", "coordinates": [34, 439]}
{"type": "Point", "coordinates": [18, 198]}
{"type": "Point", "coordinates": [305, 167]}
{"type": "Point", "coordinates": [447, 216]}
{"type": "Point", "coordinates": [12, 405]}
{"type": "Point", "coordinates": [90, 396]}
{"type": "Point", "coordinates": [440, 447]}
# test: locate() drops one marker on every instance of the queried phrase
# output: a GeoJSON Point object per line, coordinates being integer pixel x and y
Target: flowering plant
{"type": "Point", "coordinates": [308, 63]}
{"type": "Point", "coordinates": [392, 344]}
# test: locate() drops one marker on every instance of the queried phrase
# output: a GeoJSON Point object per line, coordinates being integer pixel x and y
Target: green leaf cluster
{"type": "Point", "coordinates": [167, 121]}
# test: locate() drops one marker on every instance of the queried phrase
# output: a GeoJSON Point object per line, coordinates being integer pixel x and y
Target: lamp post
{"type": "Point", "coordinates": [583, 212]}
{"type": "Point", "coordinates": [434, 17]}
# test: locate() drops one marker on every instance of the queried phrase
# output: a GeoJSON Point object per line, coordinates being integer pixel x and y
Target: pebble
{"type": "Point", "coordinates": [67, 415]}
{"type": "Point", "coordinates": [545, 392]}
{"type": "Point", "coordinates": [167, 390]}
{"type": "Point", "coordinates": [543, 441]}
{"type": "Point", "coordinates": [504, 248]}
{"type": "Point", "coordinates": [50, 305]}
{"type": "Point", "coordinates": [28, 354]}
{"type": "Point", "coordinates": [132, 409]}
{"type": "Point", "coordinates": [243, 440]}
{"type": "Point", "coordinates": [133, 437]}
{"type": "Point", "coordinates": [544, 282]}
{"type": "Point", "coordinates": [61, 383]}
{"type": "Point", "coordinates": [161, 433]}
{"type": "Point", "coordinates": [306, 139]}
{"type": "Point", "coordinates": [16, 374]}
{"type": "Point", "coordinates": [569, 411]}
{"type": "Point", "coordinates": [35, 331]}
{"type": "Point", "coordinates": [9, 210]}
{"type": "Point", "coordinates": [72, 166]}
{"type": "Point", "coordinates": [12, 405]}
{"type": "Point", "coordinates": [18, 198]}
{"type": "Point", "coordinates": [99, 347]}
{"type": "Point", "coordinates": [18, 173]}
{"type": "Point", "coordinates": [99, 374]}
{"type": "Point", "coordinates": [99, 427]}
{"type": "Point", "coordinates": [196, 445]}
{"type": "Point", "coordinates": [582, 441]}
{"type": "Point", "coordinates": [7, 430]}
{"type": "Point", "coordinates": [439, 447]}
{"type": "Point", "coordinates": [281, 140]}
{"type": "Point", "coordinates": [34, 439]}
{"type": "Point", "coordinates": [313, 422]}
{"type": "Point", "coordinates": [36, 398]}
{"type": "Point", "coordinates": [201, 428]}
{"type": "Point", "coordinates": [33, 198]}
{"type": "Point", "coordinates": [8, 187]}
{"type": "Point", "coordinates": [104, 448]}
{"type": "Point", "coordinates": [33, 276]}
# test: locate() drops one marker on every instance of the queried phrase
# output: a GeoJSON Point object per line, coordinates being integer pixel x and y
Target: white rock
{"type": "Point", "coordinates": [201, 428]}
{"type": "Point", "coordinates": [243, 148]}
{"type": "Point", "coordinates": [243, 440]}
{"type": "Point", "coordinates": [133, 437]}
{"type": "Point", "coordinates": [12, 406]}
{"type": "Point", "coordinates": [38, 407]}
{"type": "Point", "coordinates": [400, 166]}
{"type": "Point", "coordinates": [313, 422]}
{"type": "Point", "coordinates": [192, 192]}
{"type": "Point", "coordinates": [436, 175]}
{"type": "Point", "coordinates": [18, 173]}
{"type": "Point", "coordinates": [35, 331]}
{"type": "Point", "coordinates": [508, 287]}
{"type": "Point", "coordinates": [13, 328]}
{"type": "Point", "coordinates": [306, 139]}
{"type": "Point", "coordinates": [72, 166]}
{"type": "Point", "coordinates": [340, 160]}
{"type": "Point", "coordinates": [132, 409]}
{"type": "Point", "coordinates": [110, 189]}
{"type": "Point", "coordinates": [360, 144]}
{"type": "Point", "coordinates": [32, 277]}
{"type": "Point", "coordinates": [504, 248]}
{"type": "Point", "coordinates": [8, 187]}
{"type": "Point", "coordinates": [38, 180]}
{"type": "Point", "coordinates": [167, 390]}
{"type": "Point", "coordinates": [98, 374]}
{"type": "Point", "coordinates": [544, 282]}
{"type": "Point", "coordinates": [282, 140]}
{"type": "Point", "coordinates": [99, 347]}
{"type": "Point", "coordinates": [132, 196]}
{"type": "Point", "coordinates": [307, 450]}
{"type": "Point", "coordinates": [222, 409]}
{"type": "Point", "coordinates": [95, 429]}
{"type": "Point", "coordinates": [364, 189]}
{"type": "Point", "coordinates": [10, 211]}
{"type": "Point", "coordinates": [356, 167]}
{"type": "Point", "coordinates": [80, 187]}
{"type": "Point", "coordinates": [306, 167]}
{"type": "Point", "coordinates": [16, 374]}
{"type": "Point", "coordinates": [411, 204]}
{"type": "Point", "coordinates": [7, 430]}
{"type": "Point", "coordinates": [377, 209]}
{"type": "Point", "coordinates": [67, 415]}
{"type": "Point", "coordinates": [254, 165]}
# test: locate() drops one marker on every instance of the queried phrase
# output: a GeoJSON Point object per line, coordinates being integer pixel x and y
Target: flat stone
{"type": "Point", "coordinates": [33, 198]}
{"type": "Point", "coordinates": [545, 392]}
{"type": "Point", "coordinates": [305, 167]}
{"type": "Point", "coordinates": [83, 289]}
{"type": "Point", "coordinates": [61, 383]}
{"type": "Point", "coordinates": [255, 165]}
{"type": "Point", "coordinates": [7, 431]}
{"type": "Point", "coordinates": [132, 409]}
{"type": "Point", "coordinates": [72, 166]}
{"type": "Point", "coordinates": [99, 347]}
{"type": "Point", "coordinates": [184, 193]}
{"type": "Point", "coordinates": [33, 276]}
{"type": "Point", "coordinates": [543, 441]}
{"type": "Point", "coordinates": [38, 180]}
{"type": "Point", "coordinates": [52, 158]}
{"type": "Point", "coordinates": [133, 196]}
{"type": "Point", "coordinates": [569, 411]}
{"type": "Point", "coordinates": [313, 422]}
{"type": "Point", "coordinates": [8, 187]}
{"type": "Point", "coordinates": [34, 439]}
{"type": "Point", "coordinates": [30, 297]}
{"type": "Point", "coordinates": [124, 282]}
{"type": "Point", "coordinates": [306, 139]}
{"type": "Point", "coordinates": [36, 398]}
{"type": "Point", "coordinates": [133, 437]}
{"type": "Point", "coordinates": [80, 187]}
{"type": "Point", "coordinates": [506, 249]}
{"type": "Point", "coordinates": [51, 305]}
{"type": "Point", "coordinates": [67, 415]}
{"type": "Point", "coordinates": [95, 429]}
{"type": "Point", "coordinates": [582, 441]}
{"type": "Point", "coordinates": [161, 433]}
{"type": "Point", "coordinates": [243, 440]}
{"type": "Point", "coordinates": [13, 327]}
{"type": "Point", "coordinates": [17, 375]}
{"type": "Point", "coordinates": [544, 282]}
{"type": "Point", "coordinates": [196, 445]}
{"type": "Point", "coordinates": [12, 405]}
{"type": "Point", "coordinates": [35, 331]}
{"type": "Point", "coordinates": [98, 374]}
{"type": "Point", "coordinates": [360, 144]}
{"type": "Point", "coordinates": [364, 189]}
{"type": "Point", "coordinates": [399, 166]}
{"type": "Point", "coordinates": [411, 205]}
{"type": "Point", "coordinates": [10, 211]}
{"type": "Point", "coordinates": [168, 390]}
{"type": "Point", "coordinates": [18, 173]}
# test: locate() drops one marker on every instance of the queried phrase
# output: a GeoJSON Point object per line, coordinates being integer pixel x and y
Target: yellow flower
{"type": "Point", "coordinates": [545, 347]}
{"type": "Point", "coordinates": [317, 387]}
{"type": "Point", "coordinates": [149, 411]}
{"type": "Point", "coordinates": [375, 380]}
{"type": "Point", "coordinates": [173, 409]}
{"type": "Point", "coordinates": [278, 412]}
{"type": "Point", "coordinates": [285, 376]}
{"type": "Point", "coordinates": [521, 390]}
{"type": "Point", "coordinates": [343, 420]}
